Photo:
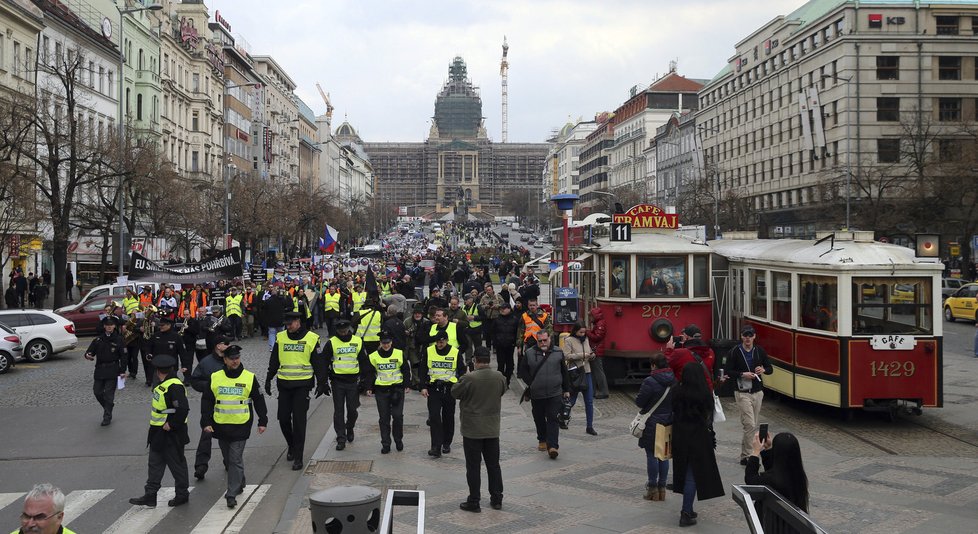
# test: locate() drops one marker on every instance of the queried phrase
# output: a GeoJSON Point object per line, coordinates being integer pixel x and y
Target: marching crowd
{"type": "Point", "coordinates": [386, 337]}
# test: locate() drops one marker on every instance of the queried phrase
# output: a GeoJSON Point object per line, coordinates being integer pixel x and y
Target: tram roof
{"type": "Point", "coordinates": [840, 255]}
{"type": "Point", "coordinates": [653, 243]}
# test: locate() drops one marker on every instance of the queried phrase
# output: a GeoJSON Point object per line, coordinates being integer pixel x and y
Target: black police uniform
{"type": "Point", "coordinates": [345, 388]}
{"type": "Point", "coordinates": [200, 380]}
{"type": "Point", "coordinates": [109, 352]}
{"type": "Point", "coordinates": [293, 395]}
{"type": "Point", "coordinates": [441, 404]}
{"type": "Point", "coordinates": [390, 398]}
{"type": "Point", "coordinates": [170, 342]}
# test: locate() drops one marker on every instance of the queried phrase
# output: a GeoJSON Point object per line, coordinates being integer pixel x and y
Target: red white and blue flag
{"type": "Point", "coordinates": [327, 243]}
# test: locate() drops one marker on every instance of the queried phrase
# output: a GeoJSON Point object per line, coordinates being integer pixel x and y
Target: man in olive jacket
{"type": "Point", "coordinates": [480, 403]}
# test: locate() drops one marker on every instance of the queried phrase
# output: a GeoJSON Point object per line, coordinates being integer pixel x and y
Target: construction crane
{"type": "Point", "coordinates": [504, 72]}
{"type": "Point", "coordinates": [329, 106]}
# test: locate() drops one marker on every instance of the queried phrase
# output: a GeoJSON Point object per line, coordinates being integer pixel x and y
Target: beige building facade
{"type": "Point", "coordinates": [279, 122]}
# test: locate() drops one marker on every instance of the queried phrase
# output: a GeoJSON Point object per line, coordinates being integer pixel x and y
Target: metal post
{"type": "Point", "coordinates": [564, 275]}
{"type": "Point", "coordinates": [848, 152]}
{"type": "Point", "coordinates": [227, 207]}
{"type": "Point", "coordinates": [122, 135]}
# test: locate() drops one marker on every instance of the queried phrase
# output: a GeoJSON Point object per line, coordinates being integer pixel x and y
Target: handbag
{"type": "Point", "coordinates": [718, 415]}
{"type": "Point", "coordinates": [637, 426]}
{"type": "Point", "coordinates": [663, 441]}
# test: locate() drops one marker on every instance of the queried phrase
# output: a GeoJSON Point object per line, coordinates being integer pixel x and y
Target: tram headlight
{"type": "Point", "coordinates": [661, 330]}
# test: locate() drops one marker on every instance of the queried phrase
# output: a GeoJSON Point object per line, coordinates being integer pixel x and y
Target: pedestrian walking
{"type": "Point", "coordinates": [109, 354]}
{"type": "Point", "coordinates": [167, 434]}
{"type": "Point", "coordinates": [693, 443]}
{"type": "Point", "coordinates": [390, 375]}
{"type": "Point", "coordinates": [504, 340]}
{"type": "Point", "coordinates": [747, 362]}
{"type": "Point", "coordinates": [228, 408]}
{"type": "Point", "coordinates": [439, 370]}
{"type": "Point", "coordinates": [346, 358]}
{"type": "Point", "coordinates": [480, 408]}
{"type": "Point", "coordinates": [596, 335]}
{"type": "Point", "coordinates": [542, 369]}
{"type": "Point", "coordinates": [44, 511]}
{"type": "Point", "coordinates": [298, 365]}
{"type": "Point", "coordinates": [200, 380]}
{"type": "Point", "coordinates": [578, 357]}
{"type": "Point", "coordinates": [654, 395]}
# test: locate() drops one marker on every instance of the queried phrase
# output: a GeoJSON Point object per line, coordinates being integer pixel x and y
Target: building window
{"type": "Point", "coordinates": [91, 74]}
{"type": "Point", "coordinates": [949, 109]}
{"type": "Point", "coordinates": [888, 150]}
{"type": "Point", "coordinates": [949, 68]}
{"type": "Point", "coordinates": [16, 58]}
{"type": "Point", "coordinates": [139, 107]}
{"type": "Point", "coordinates": [887, 67]}
{"type": "Point", "coordinates": [949, 150]}
{"type": "Point", "coordinates": [195, 161]}
{"type": "Point", "coordinates": [947, 25]}
{"type": "Point", "coordinates": [101, 80]}
{"type": "Point", "coordinates": [196, 121]}
{"type": "Point", "coordinates": [888, 109]}
{"type": "Point", "coordinates": [46, 43]}
{"type": "Point", "coordinates": [196, 82]}
{"type": "Point", "coordinates": [111, 85]}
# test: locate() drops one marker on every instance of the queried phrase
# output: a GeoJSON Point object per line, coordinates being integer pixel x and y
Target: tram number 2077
{"type": "Point", "coordinates": [660, 310]}
{"type": "Point", "coordinates": [891, 369]}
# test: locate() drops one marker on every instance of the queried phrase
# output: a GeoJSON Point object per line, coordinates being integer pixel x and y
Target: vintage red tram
{"type": "Point", "coordinates": [848, 322]}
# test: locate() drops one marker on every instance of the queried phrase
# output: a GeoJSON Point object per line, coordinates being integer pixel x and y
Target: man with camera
{"type": "Point", "coordinates": [547, 384]}
{"type": "Point", "coordinates": [747, 363]}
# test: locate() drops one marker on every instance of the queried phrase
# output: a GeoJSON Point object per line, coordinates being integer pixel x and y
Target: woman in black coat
{"type": "Point", "coordinates": [693, 442]}
{"type": "Point", "coordinates": [653, 388]}
{"type": "Point", "coordinates": [784, 471]}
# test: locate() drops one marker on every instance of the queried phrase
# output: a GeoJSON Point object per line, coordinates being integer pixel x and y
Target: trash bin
{"type": "Point", "coordinates": [346, 510]}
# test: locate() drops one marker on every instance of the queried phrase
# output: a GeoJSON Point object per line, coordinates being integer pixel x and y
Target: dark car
{"type": "Point", "coordinates": [86, 316]}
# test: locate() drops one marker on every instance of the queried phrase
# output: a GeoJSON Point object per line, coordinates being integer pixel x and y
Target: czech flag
{"type": "Point", "coordinates": [327, 243]}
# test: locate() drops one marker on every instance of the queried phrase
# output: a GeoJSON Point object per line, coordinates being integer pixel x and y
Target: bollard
{"type": "Point", "coordinates": [346, 510]}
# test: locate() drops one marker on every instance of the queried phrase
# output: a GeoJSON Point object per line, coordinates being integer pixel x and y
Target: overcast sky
{"type": "Point", "coordinates": [384, 61]}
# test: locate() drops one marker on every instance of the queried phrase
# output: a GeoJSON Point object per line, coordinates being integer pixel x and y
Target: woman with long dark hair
{"type": "Point", "coordinates": [693, 442]}
{"type": "Point", "coordinates": [656, 392]}
{"type": "Point", "coordinates": [784, 471]}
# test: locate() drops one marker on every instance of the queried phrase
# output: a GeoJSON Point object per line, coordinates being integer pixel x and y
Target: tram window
{"type": "Point", "coordinates": [782, 297]}
{"type": "Point", "coordinates": [891, 305]}
{"type": "Point", "coordinates": [620, 278]}
{"type": "Point", "coordinates": [758, 293]}
{"type": "Point", "coordinates": [701, 276]}
{"type": "Point", "coordinates": [819, 302]}
{"type": "Point", "coordinates": [662, 276]}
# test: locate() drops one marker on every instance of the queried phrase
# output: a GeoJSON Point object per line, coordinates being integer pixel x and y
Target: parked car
{"type": "Point", "coordinates": [950, 285]}
{"type": "Point", "coordinates": [86, 316]}
{"type": "Point", "coordinates": [116, 290]}
{"type": "Point", "coordinates": [962, 303]}
{"type": "Point", "coordinates": [42, 332]}
{"type": "Point", "coordinates": [10, 348]}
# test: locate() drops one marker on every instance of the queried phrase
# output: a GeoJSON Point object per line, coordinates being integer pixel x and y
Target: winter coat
{"type": "Point", "coordinates": [679, 357]}
{"type": "Point", "coordinates": [693, 444]}
{"type": "Point", "coordinates": [598, 331]}
{"type": "Point", "coordinates": [652, 389]}
{"type": "Point", "coordinates": [504, 330]}
{"type": "Point", "coordinates": [579, 353]}
{"type": "Point", "coordinates": [551, 379]}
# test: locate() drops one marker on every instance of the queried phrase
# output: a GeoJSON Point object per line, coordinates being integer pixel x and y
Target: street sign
{"type": "Point", "coordinates": [621, 232]}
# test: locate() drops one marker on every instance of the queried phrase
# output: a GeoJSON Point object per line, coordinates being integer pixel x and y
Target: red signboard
{"type": "Point", "coordinates": [15, 245]}
{"type": "Point", "coordinates": [894, 374]}
{"type": "Point", "coordinates": [647, 216]}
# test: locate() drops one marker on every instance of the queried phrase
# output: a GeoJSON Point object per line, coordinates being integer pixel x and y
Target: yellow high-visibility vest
{"type": "Point", "coordinates": [345, 354]}
{"type": "Point", "coordinates": [232, 397]}
{"type": "Point", "coordinates": [388, 369]}
{"type": "Point", "coordinates": [295, 356]}
{"type": "Point", "coordinates": [442, 367]}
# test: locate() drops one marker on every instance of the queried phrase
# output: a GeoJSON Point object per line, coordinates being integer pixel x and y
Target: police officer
{"type": "Point", "coordinates": [367, 324]}
{"type": "Point", "coordinates": [441, 323]}
{"type": "Point", "coordinates": [109, 353]}
{"type": "Point", "coordinates": [298, 365]}
{"type": "Point", "coordinates": [168, 341]}
{"type": "Point", "coordinates": [439, 370]}
{"type": "Point", "coordinates": [347, 358]}
{"type": "Point", "coordinates": [227, 414]}
{"type": "Point", "coordinates": [390, 371]}
{"type": "Point", "coordinates": [167, 434]}
{"type": "Point", "coordinates": [200, 380]}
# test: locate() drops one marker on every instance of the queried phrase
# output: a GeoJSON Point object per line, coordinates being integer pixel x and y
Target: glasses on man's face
{"type": "Point", "coordinates": [25, 518]}
{"type": "Point", "coordinates": [747, 335]}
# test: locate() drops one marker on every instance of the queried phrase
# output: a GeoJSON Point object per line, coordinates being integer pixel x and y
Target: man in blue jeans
{"type": "Point", "coordinates": [542, 370]}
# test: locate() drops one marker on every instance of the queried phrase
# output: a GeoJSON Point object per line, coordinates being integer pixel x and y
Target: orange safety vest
{"type": "Point", "coordinates": [530, 327]}
{"type": "Point", "coordinates": [145, 300]}
{"type": "Point", "coordinates": [196, 300]}
{"type": "Point", "coordinates": [248, 299]}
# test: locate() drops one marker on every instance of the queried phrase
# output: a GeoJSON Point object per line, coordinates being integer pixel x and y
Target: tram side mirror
{"type": "Point", "coordinates": [928, 245]}
{"type": "Point", "coordinates": [661, 330]}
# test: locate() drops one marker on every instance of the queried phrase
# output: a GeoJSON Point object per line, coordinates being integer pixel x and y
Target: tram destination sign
{"type": "Point", "coordinates": [621, 232]}
{"type": "Point", "coordinates": [647, 216]}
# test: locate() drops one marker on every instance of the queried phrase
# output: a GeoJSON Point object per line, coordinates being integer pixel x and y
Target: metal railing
{"type": "Point", "coordinates": [396, 497]}
{"type": "Point", "coordinates": [767, 512]}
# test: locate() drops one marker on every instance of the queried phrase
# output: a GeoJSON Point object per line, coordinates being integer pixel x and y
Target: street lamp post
{"type": "Point", "coordinates": [836, 77]}
{"type": "Point", "coordinates": [565, 203]}
{"type": "Point", "coordinates": [122, 116]}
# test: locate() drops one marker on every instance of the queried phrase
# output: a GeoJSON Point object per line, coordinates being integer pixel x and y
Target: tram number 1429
{"type": "Point", "coordinates": [660, 310]}
{"type": "Point", "coordinates": [891, 369]}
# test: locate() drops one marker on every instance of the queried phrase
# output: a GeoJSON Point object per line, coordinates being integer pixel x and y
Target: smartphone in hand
{"type": "Point", "coordinates": [762, 433]}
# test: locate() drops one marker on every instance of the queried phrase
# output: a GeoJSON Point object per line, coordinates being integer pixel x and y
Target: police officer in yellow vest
{"type": "Point", "coordinates": [331, 303]}
{"type": "Point", "coordinates": [131, 302]}
{"type": "Point", "coordinates": [347, 363]}
{"type": "Point", "coordinates": [473, 330]}
{"type": "Point", "coordinates": [44, 511]}
{"type": "Point", "coordinates": [359, 297]}
{"type": "Point", "coordinates": [366, 324]}
{"type": "Point", "coordinates": [234, 311]}
{"type": "Point", "coordinates": [167, 434]}
{"type": "Point", "coordinates": [391, 374]}
{"type": "Point", "coordinates": [439, 370]}
{"type": "Point", "coordinates": [298, 365]}
{"type": "Point", "coordinates": [226, 410]}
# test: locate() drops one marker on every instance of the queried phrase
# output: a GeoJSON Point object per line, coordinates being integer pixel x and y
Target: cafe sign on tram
{"type": "Point", "coordinates": [647, 216]}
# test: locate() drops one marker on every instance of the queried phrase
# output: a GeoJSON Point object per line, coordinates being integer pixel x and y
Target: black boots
{"type": "Point", "coordinates": [148, 499]}
{"type": "Point", "coordinates": [686, 519]}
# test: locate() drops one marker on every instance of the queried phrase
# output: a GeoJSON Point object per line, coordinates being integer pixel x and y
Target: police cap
{"type": "Point", "coordinates": [164, 360]}
{"type": "Point", "coordinates": [223, 340]}
{"type": "Point", "coordinates": [289, 316]}
{"type": "Point", "coordinates": [342, 324]}
{"type": "Point", "coordinates": [385, 336]}
{"type": "Point", "coordinates": [440, 334]}
{"type": "Point", "coordinates": [166, 319]}
{"type": "Point", "coordinates": [111, 319]}
{"type": "Point", "coordinates": [233, 352]}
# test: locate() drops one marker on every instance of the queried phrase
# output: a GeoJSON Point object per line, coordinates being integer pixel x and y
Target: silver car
{"type": "Point", "coordinates": [10, 348]}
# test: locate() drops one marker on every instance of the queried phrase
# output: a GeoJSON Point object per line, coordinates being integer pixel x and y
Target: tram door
{"type": "Point", "coordinates": [721, 295]}
{"type": "Point", "coordinates": [586, 282]}
{"type": "Point", "coordinates": [737, 299]}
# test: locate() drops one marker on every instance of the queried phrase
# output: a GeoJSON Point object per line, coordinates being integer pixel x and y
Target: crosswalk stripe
{"type": "Point", "coordinates": [247, 509]}
{"type": "Point", "coordinates": [78, 502]}
{"type": "Point", "coordinates": [143, 518]}
{"type": "Point", "coordinates": [7, 498]}
{"type": "Point", "coordinates": [219, 516]}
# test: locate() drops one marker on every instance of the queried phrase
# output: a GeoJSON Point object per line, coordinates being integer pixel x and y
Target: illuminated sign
{"type": "Point", "coordinates": [220, 20]}
{"type": "Point", "coordinates": [647, 216]}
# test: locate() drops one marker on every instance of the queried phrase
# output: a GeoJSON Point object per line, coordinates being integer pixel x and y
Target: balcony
{"type": "Point", "coordinates": [147, 78]}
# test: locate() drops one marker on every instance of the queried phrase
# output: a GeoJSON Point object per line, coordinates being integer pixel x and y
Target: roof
{"type": "Point", "coordinates": [816, 9]}
{"type": "Point", "coordinates": [306, 112]}
{"type": "Point", "coordinates": [674, 83]}
{"type": "Point", "coordinates": [645, 243]}
{"type": "Point", "coordinates": [345, 129]}
{"type": "Point", "coordinates": [840, 255]}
